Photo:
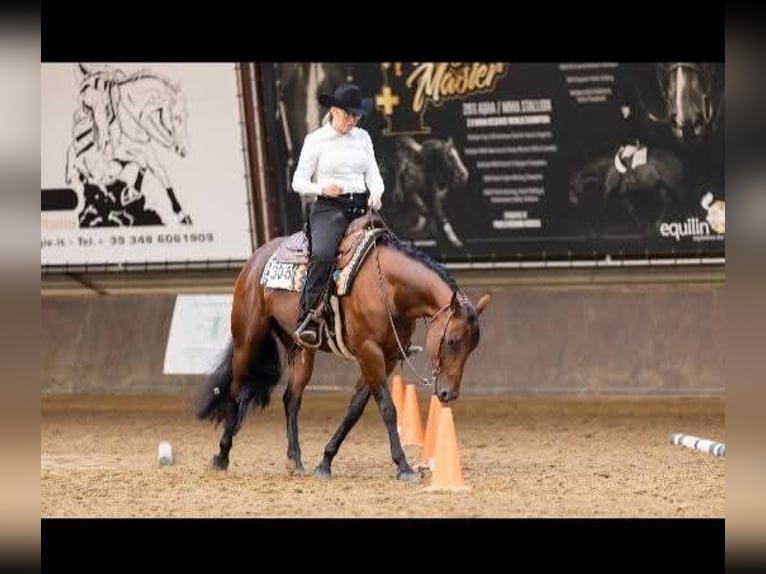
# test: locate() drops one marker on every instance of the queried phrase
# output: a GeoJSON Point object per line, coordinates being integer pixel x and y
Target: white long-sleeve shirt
{"type": "Point", "coordinates": [346, 160]}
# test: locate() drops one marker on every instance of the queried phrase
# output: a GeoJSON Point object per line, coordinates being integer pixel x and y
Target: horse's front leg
{"type": "Point", "coordinates": [417, 206]}
{"type": "Point", "coordinates": [301, 367]}
{"type": "Point", "coordinates": [156, 167]}
{"type": "Point", "coordinates": [147, 160]}
{"type": "Point", "coordinates": [355, 409]}
{"type": "Point", "coordinates": [388, 413]}
{"type": "Point", "coordinates": [441, 217]}
{"type": "Point", "coordinates": [376, 368]}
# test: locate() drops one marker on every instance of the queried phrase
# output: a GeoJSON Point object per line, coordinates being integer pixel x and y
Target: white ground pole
{"type": "Point", "coordinates": [696, 443]}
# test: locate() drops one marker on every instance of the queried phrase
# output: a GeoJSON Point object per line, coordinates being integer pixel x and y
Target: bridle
{"type": "Point", "coordinates": [436, 367]}
{"type": "Point", "coordinates": [663, 77]}
{"type": "Point", "coordinates": [436, 363]}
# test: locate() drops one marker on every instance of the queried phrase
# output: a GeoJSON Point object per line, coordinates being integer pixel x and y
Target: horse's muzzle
{"type": "Point", "coordinates": [688, 133]}
{"type": "Point", "coordinates": [446, 395]}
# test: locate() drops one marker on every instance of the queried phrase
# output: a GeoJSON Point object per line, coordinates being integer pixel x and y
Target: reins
{"type": "Point", "coordinates": [436, 370]}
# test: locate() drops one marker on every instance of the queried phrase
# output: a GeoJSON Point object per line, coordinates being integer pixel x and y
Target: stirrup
{"type": "Point", "coordinates": [299, 332]}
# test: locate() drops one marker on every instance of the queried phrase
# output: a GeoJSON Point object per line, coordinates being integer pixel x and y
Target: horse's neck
{"type": "Point", "coordinates": [430, 157]}
{"type": "Point", "coordinates": [128, 110]}
{"type": "Point", "coordinates": [436, 168]}
{"type": "Point", "coordinates": [424, 293]}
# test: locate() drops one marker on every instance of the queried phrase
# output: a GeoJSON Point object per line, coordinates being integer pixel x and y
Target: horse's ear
{"type": "Point", "coordinates": [482, 303]}
{"type": "Point", "coordinates": [455, 302]}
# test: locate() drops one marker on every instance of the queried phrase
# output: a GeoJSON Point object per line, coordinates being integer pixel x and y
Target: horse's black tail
{"type": "Point", "coordinates": [263, 374]}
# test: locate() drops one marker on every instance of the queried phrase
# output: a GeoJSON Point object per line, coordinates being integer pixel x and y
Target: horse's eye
{"type": "Point", "coordinates": [453, 342]}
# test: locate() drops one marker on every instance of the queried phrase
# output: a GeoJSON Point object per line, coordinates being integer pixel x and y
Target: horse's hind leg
{"type": "Point", "coordinates": [245, 349]}
{"type": "Point", "coordinates": [230, 427]}
{"type": "Point", "coordinates": [355, 409]}
{"type": "Point", "coordinates": [233, 419]}
{"type": "Point", "coordinates": [301, 367]}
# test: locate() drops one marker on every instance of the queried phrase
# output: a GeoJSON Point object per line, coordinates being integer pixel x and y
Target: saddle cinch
{"type": "Point", "coordinates": [286, 269]}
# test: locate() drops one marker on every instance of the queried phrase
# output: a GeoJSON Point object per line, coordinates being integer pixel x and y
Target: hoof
{"type": "Point", "coordinates": [322, 473]}
{"type": "Point", "coordinates": [219, 463]}
{"type": "Point", "coordinates": [409, 476]}
{"type": "Point", "coordinates": [294, 469]}
{"type": "Point", "coordinates": [422, 469]}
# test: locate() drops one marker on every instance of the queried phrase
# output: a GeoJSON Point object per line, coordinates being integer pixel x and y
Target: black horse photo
{"type": "Point", "coordinates": [634, 198]}
{"type": "Point", "coordinates": [424, 173]}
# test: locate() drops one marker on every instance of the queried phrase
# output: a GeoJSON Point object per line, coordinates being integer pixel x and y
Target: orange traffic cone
{"type": "Point", "coordinates": [397, 394]}
{"type": "Point", "coordinates": [447, 474]}
{"type": "Point", "coordinates": [432, 429]}
{"type": "Point", "coordinates": [412, 427]}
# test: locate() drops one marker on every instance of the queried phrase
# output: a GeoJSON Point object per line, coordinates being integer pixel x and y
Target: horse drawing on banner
{"type": "Point", "coordinates": [394, 286]}
{"type": "Point", "coordinates": [692, 94]}
{"type": "Point", "coordinates": [425, 173]}
{"type": "Point", "coordinates": [605, 190]}
{"type": "Point", "coordinates": [120, 119]}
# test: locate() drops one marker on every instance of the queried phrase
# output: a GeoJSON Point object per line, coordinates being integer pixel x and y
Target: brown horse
{"type": "Point", "coordinates": [394, 286]}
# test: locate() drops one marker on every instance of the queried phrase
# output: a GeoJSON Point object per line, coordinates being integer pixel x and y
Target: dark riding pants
{"type": "Point", "coordinates": [328, 221]}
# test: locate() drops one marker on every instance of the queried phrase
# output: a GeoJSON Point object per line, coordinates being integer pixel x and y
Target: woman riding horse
{"type": "Point", "coordinates": [395, 286]}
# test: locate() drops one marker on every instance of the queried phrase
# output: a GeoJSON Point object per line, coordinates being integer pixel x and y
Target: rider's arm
{"type": "Point", "coordinates": [307, 163]}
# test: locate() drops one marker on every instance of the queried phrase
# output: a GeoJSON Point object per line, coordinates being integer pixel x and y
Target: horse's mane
{"type": "Point", "coordinates": [420, 256]}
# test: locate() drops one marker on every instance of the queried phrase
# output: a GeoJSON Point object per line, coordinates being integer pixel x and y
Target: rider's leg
{"type": "Point", "coordinates": [328, 222]}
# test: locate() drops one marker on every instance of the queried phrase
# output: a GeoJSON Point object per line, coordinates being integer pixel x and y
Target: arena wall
{"type": "Point", "coordinates": [605, 339]}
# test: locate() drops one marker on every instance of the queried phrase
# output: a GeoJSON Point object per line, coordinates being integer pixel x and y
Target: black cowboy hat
{"type": "Point", "coordinates": [349, 98]}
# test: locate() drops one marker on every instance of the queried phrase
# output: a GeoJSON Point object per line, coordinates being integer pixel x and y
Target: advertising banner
{"type": "Point", "coordinates": [504, 162]}
{"type": "Point", "coordinates": [199, 331]}
{"type": "Point", "coordinates": [141, 164]}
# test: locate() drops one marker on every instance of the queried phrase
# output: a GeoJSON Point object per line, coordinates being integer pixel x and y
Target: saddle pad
{"type": "Point", "coordinates": [291, 276]}
{"type": "Point", "coordinates": [639, 158]}
{"type": "Point", "coordinates": [278, 275]}
{"type": "Point", "coordinates": [345, 277]}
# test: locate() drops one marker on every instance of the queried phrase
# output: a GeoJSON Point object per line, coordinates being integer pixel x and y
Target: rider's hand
{"type": "Point", "coordinates": [374, 202]}
{"type": "Point", "coordinates": [332, 190]}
